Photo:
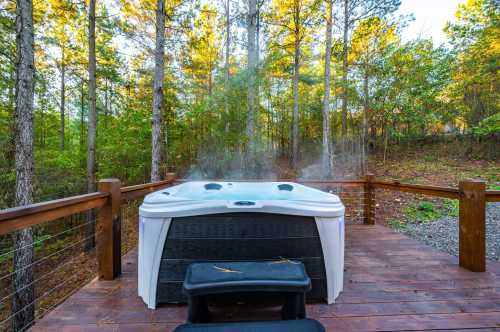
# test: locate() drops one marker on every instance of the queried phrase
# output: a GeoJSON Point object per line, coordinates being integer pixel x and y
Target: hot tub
{"type": "Point", "coordinates": [234, 221]}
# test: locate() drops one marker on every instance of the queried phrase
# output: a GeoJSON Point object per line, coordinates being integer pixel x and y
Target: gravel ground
{"type": "Point", "coordinates": [443, 233]}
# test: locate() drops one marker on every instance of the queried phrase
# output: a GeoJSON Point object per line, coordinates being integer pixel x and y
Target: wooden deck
{"type": "Point", "coordinates": [392, 283]}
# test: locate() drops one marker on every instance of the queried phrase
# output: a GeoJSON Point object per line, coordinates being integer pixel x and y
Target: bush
{"type": "Point", "coordinates": [488, 126]}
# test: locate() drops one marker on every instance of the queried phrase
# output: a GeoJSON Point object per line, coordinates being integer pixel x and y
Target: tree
{"type": "Point", "coordinates": [22, 305]}
{"type": "Point", "coordinates": [474, 37]}
{"type": "Point", "coordinates": [92, 122]}
{"type": "Point", "coordinates": [158, 91]}
{"type": "Point", "coordinates": [251, 72]}
{"type": "Point", "coordinates": [371, 41]}
{"type": "Point", "coordinates": [7, 88]}
{"type": "Point", "coordinates": [202, 52]}
{"type": "Point", "coordinates": [297, 34]}
{"type": "Point", "coordinates": [354, 11]}
{"type": "Point", "coordinates": [293, 18]}
{"type": "Point", "coordinates": [227, 54]}
{"type": "Point", "coordinates": [326, 154]}
{"type": "Point", "coordinates": [273, 78]}
{"type": "Point", "coordinates": [61, 16]}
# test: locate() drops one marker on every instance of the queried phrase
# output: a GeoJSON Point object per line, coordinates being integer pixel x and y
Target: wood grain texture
{"type": "Point", "coordinates": [418, 189]}
{"type": "Point", "coordinates": [493, 195]}
{"type": "Point", "coordinates": [472, 225]}
{"type": "Point", "coordinates": [134, 192]}
{"type": "Point", "coordinates": [391, 283]}
{"type": "Point", "coordinates": [30, 215]}
{"type": "Point", "coordinates": [109, 231]}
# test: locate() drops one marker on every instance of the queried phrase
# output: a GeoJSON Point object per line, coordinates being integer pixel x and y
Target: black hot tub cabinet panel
{"type": "Point", "coordinates": [237, 237]}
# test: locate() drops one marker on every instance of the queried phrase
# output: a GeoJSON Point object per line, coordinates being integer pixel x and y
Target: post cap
{"type": "Point", "coordinates": [170, 176]}
{"type": "Point", "coordinates": [109, 180]}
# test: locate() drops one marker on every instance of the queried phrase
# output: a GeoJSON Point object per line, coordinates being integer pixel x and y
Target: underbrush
{"type": "Point", "coordinates": [426, 211]}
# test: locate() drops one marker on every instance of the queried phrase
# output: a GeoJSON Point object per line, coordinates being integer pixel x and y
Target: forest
{"type": "Point", "coordinates": [230, 89]}
{"type": "Point", "coordinates": [227, 89]}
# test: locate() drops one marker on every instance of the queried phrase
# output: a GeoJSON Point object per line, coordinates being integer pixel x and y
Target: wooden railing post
{"type": "Point", "coordinates": [472, 225]}
{"type": "Point", "coordinates": [109, 231]}
{"type": "Point", "coordinates": [369, 218]}
{"type": "Point", "coordinates": [169, 176]}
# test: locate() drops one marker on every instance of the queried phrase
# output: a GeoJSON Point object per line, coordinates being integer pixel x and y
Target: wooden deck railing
{"type": "Point", "coordinates": [471, 194]}
{"type": "Point", "coordinates": [108, 200]}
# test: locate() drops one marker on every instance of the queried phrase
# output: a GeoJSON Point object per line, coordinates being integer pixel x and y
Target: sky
{"type": "Point", "coordinates": [430, 18]}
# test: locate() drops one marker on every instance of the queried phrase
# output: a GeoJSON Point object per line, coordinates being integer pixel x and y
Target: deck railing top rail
{"type": "Point", "coordinates": [446, 192]}
{"type": "Point", "coordinates": [30, 215]}
{"type": "Point", "coordinates": [493, 195]}
{"type": "Point", "coordinates": [25, 216]}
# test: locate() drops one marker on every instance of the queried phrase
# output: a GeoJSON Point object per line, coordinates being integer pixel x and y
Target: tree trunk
{"type": "Point", "coordinates": [12, 96]}
{"type": "Point", "coordinates": [366, 102]}
{"type": "Point", "coordinates": [386, 140]}
{"type": "Point", "coordinates": [92, 127]}
{"type": "Point", "coordinates": [106, 109]}
{"type": "Point", "coordinates": [63, 99]}
{"type": "Point", "coordinates": [11, 147]}
{"type": "Point", "coordinates": [42, 128]}
{"type": "Point", "coordinates": [110, 98]}
{"type": "Point", "coordinates": [82, 124]}
{"type": "Point", "coordinates": [226, 64]}
{"type": "Point", "coordinates": [252, 62]}
{"type": "Point", "coordinates": [257, 68]}
{"type": "Point", "coordinates": [210, 80]}
{"type": "Point", "coordinates": [345, 68]}
{"type": "Point", "coordinates": [364, 133]}
{"type": "Point", "coordinates": [158, 91]}
{"type": "Point", "coordinates": [296, 74]}
{"type": "Point", "coordinates": [326, 153]}
{"type": "Point", "coordinates": [22, 279]}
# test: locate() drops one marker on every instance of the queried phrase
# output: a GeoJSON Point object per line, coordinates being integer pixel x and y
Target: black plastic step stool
{"type": "Point", "coordinates": [301, 325]}
{"type": "Point", "coordinates": [283, 277]}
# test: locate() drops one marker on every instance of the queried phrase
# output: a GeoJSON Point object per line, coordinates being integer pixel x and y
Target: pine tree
{"type": "Point", "coordinates": [23, 300]}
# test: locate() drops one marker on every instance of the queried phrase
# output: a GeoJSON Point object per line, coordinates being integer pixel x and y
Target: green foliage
{"type": "Point", "coordinates": [413, 88]}
{"type": "Point", "coordinates": [427, 211]}
{"type": "Point", "coordinates": [422, 212]}
{"type": "Point", "coordinates": [474, 36]}
{"type": "Point", "coordinates": [488, 126]}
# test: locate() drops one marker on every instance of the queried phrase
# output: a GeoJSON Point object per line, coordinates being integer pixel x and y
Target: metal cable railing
{"type": "Point", "coordinates": [130, 225]}
{"type": "Point", "coordinates": [39, 242]}
{"type": "Point", "coordinates": [351, 195]}
{"type": "Point", "coordinates": [67, 287]}
{"type": "Point", "coordinates": [61, 265]}
{"type": "Point", "coordinates": [59, 256]}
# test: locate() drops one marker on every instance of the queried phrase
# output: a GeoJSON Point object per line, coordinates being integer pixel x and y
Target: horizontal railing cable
{"type": "Point", "coordinates": [47, 238]}
{"type": "Point", "coordinates": [46, 257]}
{"type": "Point", "coordinates": [34, 301]}
{"type": "Point", "coordinates": [72, 260]}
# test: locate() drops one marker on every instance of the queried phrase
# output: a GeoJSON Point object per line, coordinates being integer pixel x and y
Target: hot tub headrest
{"type": "Point", "coordinates": [285, 187]}
{"type": "Point", "coordinates": [213, 186]}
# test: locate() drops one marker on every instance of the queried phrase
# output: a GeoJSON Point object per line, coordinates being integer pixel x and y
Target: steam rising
{"type": "Point", "coordinates": [220, 162]}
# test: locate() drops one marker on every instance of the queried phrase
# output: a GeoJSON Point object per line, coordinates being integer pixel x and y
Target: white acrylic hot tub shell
{"type": "Point", "coordinates": [158, 209]}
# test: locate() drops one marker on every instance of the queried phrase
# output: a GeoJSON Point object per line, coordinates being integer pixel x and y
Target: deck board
{"type": "Point", "coordinates": [391, 283]}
